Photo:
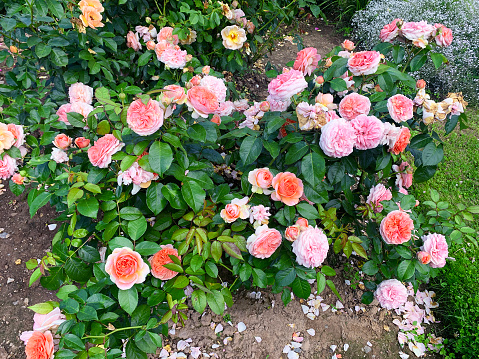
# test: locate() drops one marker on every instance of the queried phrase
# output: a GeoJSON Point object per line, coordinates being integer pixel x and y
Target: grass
{"type": "Point", "coordinates": [458, 286]}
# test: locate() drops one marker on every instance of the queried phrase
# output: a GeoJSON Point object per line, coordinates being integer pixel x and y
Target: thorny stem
{"type": "Point", "coordinates": [113, 331]}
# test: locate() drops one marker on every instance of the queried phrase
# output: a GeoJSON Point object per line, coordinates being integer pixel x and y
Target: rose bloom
{"type": "Point", "coordinates": [150, 45]}
{"type": "Point", "coordinates": [48, 321]}
{"type": "Point", "coordinates": [337, 138]}
{"type": "Point", "coordinates": [436, 246]}
{"type": "Point", "coordinates": [348, 45]}
{"type": "Point", "coordinates": [133, 41]}
{"type": "Point", "coordinates": [292, 233]}
{"type": "Point", "coordinates": [215, 85]}
{"type": "Point", "coordinates": [443, 35]}
{"type": "Point", "coordinates": [82, 142]}
{"type": "Point", "coordinates": [18, 178]}
{"type": "Point", "coordinates": [18, 134]}
{"type": "Point", "coordinates": [59, 156]}
{"type": "Point", "coordinates": [190, 38]}
{"type": "Point", "coordinates": [238, 208]}
{"type": "Point", "coordinates": [144, 119]}
{"type": "Point", "coordinates": [7, 139]}
{"type": "Point", "coordinates": [174, 58]}
{"type": "Point", "coordinates": [286, 85]}
{"type": "Point", "coordinates": [302, 223]}
{"type": "Point", "coordinates": [202, 101]}
{"type": "Point", "coordinates": [93, 3]}
{"type": "Point", "coordinates": [377, 194]}
{"type": "Point", "coordinates": [225, 108]}
{"type": "Point", "coordinates": [62, 141]}
{"type": "Point", "coordinates": [307, 60]}
{"type": "Point", "coordinates": [175, 93]}
{"type": "Point", "coordinates": [404, 176]}
{"type": "Point", "coordinates": [390, 135]}
{"type": "Point", "coordinates": [278, 105]}
{"type": "Point", "coordinates": [396, 227]}
{"type": "Point", "coordinates": [138, 176]}
{"type": "Point", "coordinates": [354, 105]}
{"type": "Point", "coordinates": [264, 242]}
{"type": "Point", "coordinates": [161, 47]}
{"type": "Point", "coordinates": [311, 247]}
{"type": "Point", "coordinates": [400, 108]}
{"type": "Point", "coordinates": [424, 257]}
{"type": "Point", "coordinates": [90, 17]}
{"type": "Point", "coordinates": [126, 268]}
{"type": "Point", "coordinates": [391, 294]}
{"type": "Point", "coordinates": [79, 92]}
{"type": "Point", "coordinates": [81, 108]}
{"type": "Point", "coordinates": [8, 166]}
{"type": "Point", "coordinates": [233, 37]}
{"type": "Point", "coordinates": [261, 179]}
{"type": "Point", "coordinates": [326, 99]}
{"type": "Point", "coordinates": [159, 259]}
{"type": "Point", "coordinates": [259, 215]}
{"type": "Point", "coordinates": [241, 105]}
{"type": "Point", "coordinates": [364, 62]}
{"type": "Point", "coordinates": [402, 141]}
{"type": "Point", "coordinates": [287, 188]}
{"type": "Point", "coordinates": [38, 345]}
{"type": "Point", "coordinates": [368, 130]}
{"type": "Point", "coordinates": [389, 31]}
{"type": "Point", "coordinates": [415, 30]}
{"type": "Point", "coordinates": [166, 34]}
{"type": "Point", "coordinates": [250, 27]}
{"type": "Point", "coordinates": [62, 112]}
{"type": "Point", "coordinates": [105, 147]}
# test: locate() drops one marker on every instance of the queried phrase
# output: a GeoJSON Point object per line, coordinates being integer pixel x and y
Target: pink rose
{"type": "Point", "coordinates": [136, 175]}
{"type": "Point", "coordinates": [377, 194]}
{"type": "Point", "coordinates": [278, 105]}
{"type": "Point", "coordinates": [402, 141]}
{"type": "Point", "coordinates": [174, 58]}
{"type": "Point", "coordinates": [307, 60]}
{"type": "Point", "coordinates": [302, 223]}
{"type": "Point", "coordinates": [264, 242]}
{"type": "Point", "coordinates": [105, 147]}
{"type": "Point", "coordinates": [368, 130]}
{"type": "Point", "coordinates": [260, 215]}
{"type": "Point", "coordinates": [415, 30]}
{"type": "Point", "coordinates": [80, 93]}
{"type": "Point", "coordinates": [238, 208]}
{"type": "Point", "coordinates": [424, 257]}
{"type": "Point", "coordinates": [292, 233]}
{"type": "Point", "coordinates": [18, 179]}
{"type": "Point", "coordinates": [250, 27]}
{"type": "Point", "coordinates": [286, 85]}
{"type": "Point", "coordinates": [391, 294]}
{"type": "Point", "coordinates": [166, 34]}
{"type": "Point", "coordinates": [337, 138]}
{"type": "Point", "coordinates": [354, 105]}
{"type": "Point", "coordinates": [7, 138]}
{"type": "Point", "coordinates": [126, 268]}
{"type": "Point", "coordinates": [287, 188]}
{"type": "Point", "coordinates": [225, 108]}
{"type": "Point", "coordinates": [82, 142]}
{"type": "Point", "coordinates": [326, 99]}
{"type": "Point", "coordinates": [396, 227]}
{"type": "Point", "coordinates": [175, 93]}
{"type": "Point", "coordinates": [62, 141]}
{"type": "Point", "coordinates": [311, 247]}
{"type": "Point", "coordinates": [143, 119]}
{"type": "Point", "coordinates": [215, 85]}
{"type": "Point", "coordinates": [82, 108]}
{"type": "Point", "coordinates": [39, 345]}
{"type": "Point", "coordinates": [390, 135]}
{"type": "Point", "coordinates": [202, 101]}
{"type": "Point", "coordinates": [159, 259]}
{"type": "Point", "coordinates": [133, 41]}
{"type": "Point", "coordinates": [436, 246]}
{"type": "Point", "coordinates": [404, 176]}
{"type": "Point", "coordinates": [62, 112]}
{"type": "Point", "coordinates": [400, 108]}
{"type": "Point", "coordinates": [18, 134]}
{"type": "Point", "coordinates": [443, 35]}
{"type": "Point", "coordinates": [261, 179]}
{"type": "Point", "coordinates": [241, 105]}
{"type": "Point", "coordinates": [364, 62]}
{"type": "Point", "coordinates": [161, 47]}
{"type": "Point", "coordinates": [59, 156]}
{"type": "Point", "coordinates": [48, 321]}
{"type": "Point", "coordinates": [8, 166]}
{"type": "Point", "coordinates": [389, 31]}
{"type": "Point", "coordinates": [348, 45]}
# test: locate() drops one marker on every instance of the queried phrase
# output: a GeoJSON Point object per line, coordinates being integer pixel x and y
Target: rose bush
{"type": "Point", "coordinates": [179, 193]}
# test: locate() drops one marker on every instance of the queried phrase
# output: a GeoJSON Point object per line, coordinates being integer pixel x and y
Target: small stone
{"type": "Point", "coordinates": [241, 327]}
{"type": "Point", "coordinates": [311, 332]}
{"type": "Point", "coordinates": [10, 280]}
{"type": "Point", "coordinates": [258, 339]}
{"type": "Point", "coordinates": [18, 261]}
{"type": "Point", "coordinates": [346, 347]}
{"type": "Point", "coordinates": [367, 349]}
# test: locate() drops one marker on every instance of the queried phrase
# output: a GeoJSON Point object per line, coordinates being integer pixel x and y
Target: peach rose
{"type": "Point", "coordinates": [133, 41]}
{"type": "Point", "coordinates": [215, 85]}
{"type": "Point", "coordinates": [18, 178]}
{"type": "Point", "coordinates": [307, 60]}
{"type": "Point", "coordinates": [82, 142]}
{"type": "Point", "coordinates": [17, 131]}
{"type": "Point", "coordinates": [7, 139]}
{"type": "Point", "coordinates": [39, 345]}
{"type": "Point", "coordinates": [161, 258]}
{"type": "Point", "coordinates": [391, 294]}
{"type": "Point", "coordinates": [126, 268]}
{"type": "Point", "coordinates": [238, 208]}
{"type": "Point", "coordinates": [264, 242]}
{"type": "Point", "coordinates": [150, 45]}
{"type": "Point", "coordinates": [82, 108]}
{"type": "Point", "coordinates": [59, 156]}
{"type": "Point", "coordinates": [353, 105]}
{"type": "Point", "coordinates": [302, 223]}
{"type": "Point", "coordinates": [175, 93]}
{"type": "Point", "coordinates": [90, 17]}
{"type": "Point", "coordinates": [202, 101]}
{"type": "Point", "coordinates": [400, 108]}
{"type": "Point", "coordinates": [364, 62]}
{"type": "Point", "coordinates": [420, 84]}
{"type": "Point", "coordinates": [423, 257]}
{"type": "Point", "coordinates": [389, 31]}
{"type": "Point", "coordinates": [326, 99]}
{"type": "Point", "coordinates": [8, 166]}
{"type": "Point", "coordinates": [143, 119]}
{"type": "Point", "coordinates": [443, 35]}
{"type": "Point", "coordinates": [261, 179]}
{"type": "Point", "coordinates": [286, 85]}
{"type": "Point", "coordinates": [79, 92]}
{"type": "Point", "coordinates": [62, 112]}
{"type": "Point", "coordinates": [292, 233]}
{"type": "Point", "coordinates": [402, 141]}
{"type": "Point", "coordinates": [287, 188]}
{"type": "Point", "coordinates": [396, 227]}
{"type": "Point", "coordinates": [436, 246]}
{"type": "Point", "coordinates": [233, 37]}
{"type": "Point", "coordinates": [96, 4]}
{"type": "Point", "coordinates": [166, 34]}
{"type": "Point", "coordinates": [48, 321]}
{"type": "Point", "coordinates": [62, 141]}
{"type": "Point", "coordinates": [377, 194]}
{"type": "Point", "coordinates": [311, 247]}
{"type": "Point", "coordinates": [105, 147]}
{"type": "Point", "coordinates": [161, 46]}
{"type": "Point", "coordinates": [348, 45]}
{"type": "Point", "coordinates": [216, 119]}
{"type": "Point", "coordinates": [174, 58]}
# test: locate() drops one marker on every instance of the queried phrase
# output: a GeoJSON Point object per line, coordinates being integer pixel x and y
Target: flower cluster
{"type": "Point", "coordinates": [454, 104]}
{"type": "Point", "coordinates": [420, 33]}
{"type": "Point", "coordinates": [81, 97]}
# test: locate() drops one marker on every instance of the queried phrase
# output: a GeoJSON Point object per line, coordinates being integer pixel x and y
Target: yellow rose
{"type": "Point", "coordinates": [233, 37]}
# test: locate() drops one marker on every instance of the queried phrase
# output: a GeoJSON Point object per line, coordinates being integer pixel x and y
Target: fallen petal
{"type": "Point", "coordinates": [258, 339]}
{"type": "Point", "coordinates": [241, 327]}
{"type": "Point", "coordinates": [311, 332]}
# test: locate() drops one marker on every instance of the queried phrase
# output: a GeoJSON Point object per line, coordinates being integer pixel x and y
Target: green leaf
{"type": "Point", "coordinates": [370, 268]}
{"type": "Point", "coordinates": [197, 133]}
{"type": "Point", "coordinates": [144, 58]}
{"type": "Point", "coordinates": [437, 59]}
{"type": "Point", "coordinates": [42, 308]}
{"type": "Point", "coordinates": [451, 124]}
{"type": "Point", "coordinates": [408, 202]}
{"type": "Point", "coordinates": [367, 298]}
{"type": "Point", "coordinates": [193, 195]}
{"type": "Point", "coordinates": [259, 278]}
{"type": "Point", "coordinates": [137, 228]}
{"type": "Point", "coordinates": [313, 168]}
{"type": "Point", "coordinates": [99, 300]}
{"type": "Point", "coordinates": [274, 124]}
{"type": "Point", "coordinates": [326, 270]}
{"type": "Point", "coordinates": [59, 57]}
{"type": "Point", "coordinates": [211, 269]}
{"type": "Point", "coordinates": [424, 173]}
{"type": "Point", "coordinates": [301, 288]}
{"type": "Point", "coordinates": [120, 242]}
{"type": "Point", "coordinates": [8, 24]}
{"type": "Point", "coordinates": [87, 313]}
{"type": "Point", "coordinates": [337, 69]}
{"type": "Point", "coordinates": [216, 250]}
{"type": "Point", "coordinates": [39, 201]}
{"type": "Point", "coordinates": [78, 270]}
{"type": "Point", "coordinates": [250, 149]}
{"type": "Point", "coordinates": [198, 299]}
{"type": "Point", "coordinates": [432, 155]}
{"type": "Point", "coordinates": [321, 282]}
{"type": "Point", "coordinates": [42, 50]}
{"type": "Point", "coordinates": [333, 288]}
{"type": "Point", "coordinates": [89, 254]}
{"type": "Point", "coordinates": [285, 277]}
{"type": "Point", "coordinates": [418, 61]}
{"type": "Point", "coordinates": [336, 172]}
{"type": "Point", "coordinates": [296, 152]}
{"type": "Point", "coordinates": [307, 211]}
{"type": "Point", "coordinates": [216, 301]}
{"type": "Point", "coordinates": [130, 213]}
{"type": "Point", "coordinates": [272, 147]}
{"type": "Point", "coordinates": [160, 157]}
{"type": "Point", "coordinates": [56, 8]}
{"type": "Point", "coordinates": [132, 351]}
{"type": "Point", "coordinates": [286, 296]}
{"type": "Point", "coordinates": [338, 84]}
{"type": "Point", "coordinates": [128, 299]}
{"type": "Point", "coordinates": [88, 207]}
{"type": "Point", "coordinates": [73, 342]}
{"type": "Point", "coordinates": [406, 269]}
{"type": "Point", "coordinates": [181, 282]}
{"type": "Point", "coordinates": [147, 248]}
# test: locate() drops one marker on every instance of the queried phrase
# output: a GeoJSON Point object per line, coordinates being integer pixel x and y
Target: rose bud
{"type": "Point", "coordinates": [424, 257]}
{"type": "Point", "coordinates": [378, 88]}
{"type": "Point", "coordinates": [319, 80]}
{"type": "Point", "coordinates": [292, 233]}
{"type": "Point", "coordinates": [13, 49]}
{"type": "Point", "coordinates": [328, 62]}
{"type": "Point", "coordinates": [18, 178]}
{"type": "Point", "coordinates": [62, 141]}
{"type": "Point", "coordinates": [302, 223]}
{"type": "Point", "coordinates": [148, 20]}
{"type": "Point", "coordinates": [205, 70]}
{"type": "Point", "coordinates": [216, 119]}
{"type": "Point", "coordinates": [82, 142]}
{"type": "Point", "coordinates": [150, 45]}
{"type": "Point", "coordinates": [264, 106]}
{"type": "Point", "coordinates": [348, 45]}
{"type": "Point", "coordinates": [420, 84]}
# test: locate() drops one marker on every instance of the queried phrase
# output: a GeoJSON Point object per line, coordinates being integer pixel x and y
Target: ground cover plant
{"type": "Point", "coordinates": [163, 186]}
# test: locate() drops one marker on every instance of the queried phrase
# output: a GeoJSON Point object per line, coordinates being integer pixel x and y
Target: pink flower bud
{"type": "Point", "coordinates": [319, 80]}
{"type": "Point", "coordinates": [420, 84]}
{"type": "Point", "coordinates": [424, 257]}
{"type": "Point", "coordinates": [205, 70]}
{"type": "Point", "coordinates": [18, 178]}
{"type": "Point", "coordinates": [216, 119]}
{"type": "Point", "coordinates": [150, 45]}
{"type": "Point", "coordinates": [264, 106]}
{"type": "Point", "coordinates": [82, 142]}
{"type": "Point", "coordinates": [348, 45]}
